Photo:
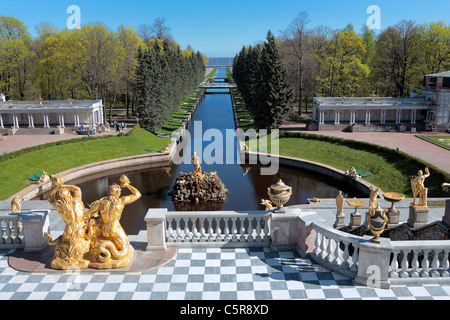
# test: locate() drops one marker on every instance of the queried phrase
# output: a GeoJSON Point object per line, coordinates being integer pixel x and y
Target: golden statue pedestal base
{"type": "Point", "coordinates": [418, 216]}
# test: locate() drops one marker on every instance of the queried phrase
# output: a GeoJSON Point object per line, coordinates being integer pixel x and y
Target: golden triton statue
{"type": "Point", "coordinates": [73, 244]}
{"type": "Point", "coordinates": [372, 200]}
{"type": "Point", "coordinates": [110, 247]}
{"type": "Point", "coordinates": [418, 188]}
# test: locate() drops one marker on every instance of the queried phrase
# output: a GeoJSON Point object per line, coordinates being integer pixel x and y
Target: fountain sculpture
{"type": "Point", "coordinates": [94, 238]}
{"type": "Point", "coordinates": [197, 187]}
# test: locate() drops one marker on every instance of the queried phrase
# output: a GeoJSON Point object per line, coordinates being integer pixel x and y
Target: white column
{"type": "Point", "coordinates": [413, 116]}
{"type": "Point", "coordinates": [382, 116]}
{"type": "Point", "coordinates": [367, 116]}
{"type": "Point", "coordinates": [30, 121]}
{"type": "Point", "coordinates": [352, 116]}
{"type": "Point", "coordinates": [91, 120]}
{"type": "Point", "coordinates": [59, 119]}
{"type": "Point", "coordinates": [336, 116]}
{"type": "Point", "coordinates": [1, 121]}
{"type": "Point", "coordinates": [398, 116]}
{"type": "Point", "coordinates": [46, 120]}
{"type": "Point", "coordinates": [15, 121]}
{"type": "Point", "coordinates": [322, 116]}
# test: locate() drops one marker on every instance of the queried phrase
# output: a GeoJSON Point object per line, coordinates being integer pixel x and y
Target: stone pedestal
{"type": "Point", "coordinates": [340, 222]}
{"type": "Point", "coordinates": [34, 224]}
{"type": "Point", "coordinates": [355, 220]}
{"type": "Point", "coordinates": [446, 217]}
{"type": "Point", "coordinates": [284, 230]}
{"type": "Point", "coordinates": [418, 216]}
{"type": "Point", "coordinates": [373, 263]}
{"type": "Point", "coordinates": [394, 218]}
{"type": "Point", "coordinates": [59, 130]}
{"type": "Point", "coordinates": [12, 131]}
{"type": "Point", "coordinates": [156, 229]}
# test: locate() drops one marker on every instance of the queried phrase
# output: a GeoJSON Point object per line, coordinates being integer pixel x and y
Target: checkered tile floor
{"type": "Point", "coordinates": [205, 274]}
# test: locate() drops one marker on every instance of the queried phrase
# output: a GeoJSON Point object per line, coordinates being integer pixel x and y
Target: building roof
{"type": "Point", "coordinates": [445, 74]}
{"type": "Point", "coordinates": [49, 106]}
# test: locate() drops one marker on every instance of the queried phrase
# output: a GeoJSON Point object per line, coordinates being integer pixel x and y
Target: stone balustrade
{"type": "Point", "coordinates": [24, 230]}
{"type": "Point", "coordinates": [207, 228]}
{"type": "Point", "coordinates": [419, 262]}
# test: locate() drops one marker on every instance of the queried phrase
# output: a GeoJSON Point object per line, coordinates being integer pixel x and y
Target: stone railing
{"type": "Point", "coordinates": [207, 228]}
{"type": "Point", "coordinates": [420, 262]}
{"type": "Point", "coordinates": [24, 230]}
{"type": "Point", "coordinates": [11, 232]}
{"type": "Point", "coordinates": [336, 250]}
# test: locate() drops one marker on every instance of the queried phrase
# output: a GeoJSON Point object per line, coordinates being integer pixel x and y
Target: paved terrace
{"type": "Point", "coordinates": [202, 273]}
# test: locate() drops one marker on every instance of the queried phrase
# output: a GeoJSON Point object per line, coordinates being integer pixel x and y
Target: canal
{"type": "Point", "coordinates": [245, 183]}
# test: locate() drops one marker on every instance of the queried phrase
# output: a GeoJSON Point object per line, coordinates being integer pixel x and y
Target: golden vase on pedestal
{"type": "Point", "coordinates": [279, 194]}
{"type": "Point", "coordinates": [377, 223]}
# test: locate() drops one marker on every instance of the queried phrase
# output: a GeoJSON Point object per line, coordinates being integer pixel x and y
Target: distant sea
{"type": "Point", "coordinates": [220, 62]}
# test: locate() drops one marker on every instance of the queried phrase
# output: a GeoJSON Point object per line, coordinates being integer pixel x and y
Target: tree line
{"type": "Point", "coordinates": [164, 78]}
{"type": "Point", "coordinates": [92, 62]}
{"type": "Point", "coordinates": [325, 62]}
{"type": "Point", "coordinates": [262, 81]}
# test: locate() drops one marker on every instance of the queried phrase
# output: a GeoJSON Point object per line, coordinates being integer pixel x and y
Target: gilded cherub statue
{"type": "Point", "coordinates": [110, 247]}
{"type": "Point", "coordinates": [267, 204]}
{"type": "Point", "coordinates": [73, 244]}
{"type": "Point", "coordinates": [418, 188]}
{"type": "Point", "coordinates": [373, 199]}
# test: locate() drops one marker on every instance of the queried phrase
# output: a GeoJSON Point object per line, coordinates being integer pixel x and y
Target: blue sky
{"type": "Point", "coordinates": [220, 28]}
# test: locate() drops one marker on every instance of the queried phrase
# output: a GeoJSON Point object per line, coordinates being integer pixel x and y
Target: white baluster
{"type": "Point", "coordinates": [415, 265]}
{"type": "Point", "coordinates": [178, 229]}
{"type": "Point", "coordinates": [445, 264]}
{"type": "Point", "coordinates": [329, 258]}
{"type": "Point", "coordinates": [355, 258]}
{"type": "Point", "coordinates": [266, 231]}
{"type": "Point", "coordinates": [170, 237]}
{"type": "Point", "coordinates": [242, 237]}
{"type": "Point", "coordinates": [425, 264]}
{"type": "Point", "coordinates": [323, 247]}
{"type": "Point", "coordinates": [435, 265]}
{"type": "Point", "coordinates": [233, 229]}
{"type": "Point", "coordinates": [317, 243]}
{"type": "Point", "coordinates": [16, 231]}
{"type": "Point", "coordinates": [219, 230]}
{"type": "Point", "coordinates": [250, 229]}
{"type": "Point", "coordinates": [227, 230]}
{"type": "Point", "coordinates": [202, 230]}
{"type": "Point", "coordinates": [2, 231]}
{"type": "Point", "coordinates": [187, 233]}
{"type": "Point", "coordinates": [337, 255]}
{"type": "Point", "coordinates": [346, 256]}
{"type": "Point", "coordinates": [404, 264]}
{"type": "Point", "coordinates": [210, 230]}
{"type": "Point", "coordinates": [8, 231]}
{"type": "Point", "coordinates": [258, 229]}
{"type": "Point", "coordinates": [394, 266]}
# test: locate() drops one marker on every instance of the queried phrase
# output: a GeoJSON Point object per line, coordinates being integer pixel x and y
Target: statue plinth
{"type": "Point", "coordinates": [418, 216]}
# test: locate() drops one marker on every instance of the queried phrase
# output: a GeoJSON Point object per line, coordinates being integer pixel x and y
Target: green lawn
{"type": "Point", "coordinates": [442, 141]}
{"type": "Point", "coordinates": [59, 158]}
{"type": "Point", "coordinates": [391, 170]}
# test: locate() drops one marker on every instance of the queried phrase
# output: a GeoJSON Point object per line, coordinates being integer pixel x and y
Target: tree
{"type": "Point", "coordinates": [434, 42]}
{"type": "Point", "coordinates": [15, 54]}
{"type": "Point", "coordinates": [295, 38]}
{"type": "Point", "coordinates": [396, 63]}
{"type": "Point", "coordinates": [275, 96]}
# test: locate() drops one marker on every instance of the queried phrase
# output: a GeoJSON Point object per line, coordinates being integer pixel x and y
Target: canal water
{"type": "Point", "coordinates": [245, 183]}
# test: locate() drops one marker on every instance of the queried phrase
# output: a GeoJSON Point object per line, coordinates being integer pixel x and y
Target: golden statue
{"type": "Point", "coordinates": [110, 247]}
{"type": "Point", "coordinates": [418, 188]}
{"type": "Point", "coordinates": [73, 244]}
{"type": "Point", "coordinates": [373, 199]}
{"type": "Point", "coordinates": [340, 204]}
{"type": "Point", "coordinates": [16, 205]}
{"type": "Point", "coordinates": [197, 168]}
{"type": "Point", "coordinates": [267, 204]}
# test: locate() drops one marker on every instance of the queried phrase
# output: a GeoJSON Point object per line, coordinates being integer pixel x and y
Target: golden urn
{"type": "Point", "coordinates": [377, 223]}
{"type": "Point", "coordinates": [279, 194]}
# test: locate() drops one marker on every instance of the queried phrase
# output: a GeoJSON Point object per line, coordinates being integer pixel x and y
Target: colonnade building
{"type": "Point", "coordinates": [431, 111]}
{"type": "Point", "coordinates": [47, 114]}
